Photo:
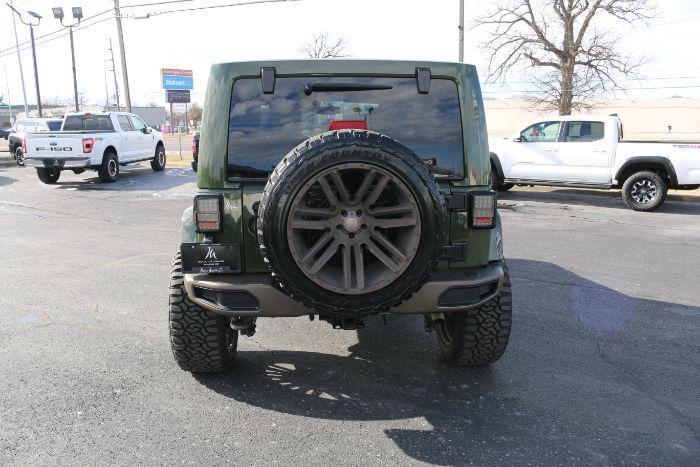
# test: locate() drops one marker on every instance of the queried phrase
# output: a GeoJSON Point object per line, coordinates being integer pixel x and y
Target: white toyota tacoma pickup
{"type": "Point", "coordinates": [99, 141]}
{"type": "Point", "coordinates": [589, 152]}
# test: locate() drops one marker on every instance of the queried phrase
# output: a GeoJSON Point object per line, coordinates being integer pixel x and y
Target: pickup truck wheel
{"type": "Point", "coordinates": [109, 170]}
{"type": "Point", "coordinates": [477, 337]}
{"type": "Point", "coordinates": [644, 191]}
{"type": "Point", "coordinates": [497, 182]}
{"type": "Point", "coordinates": [19, 157]}
{"type": "Point", "coordinates": [48, 176]}
{"type": "Point", "coordinates": [201, 341]}
{"type": "Point", "coordinates": [158, 162]}
{"type": "Point", "coordinates": [351, 223]}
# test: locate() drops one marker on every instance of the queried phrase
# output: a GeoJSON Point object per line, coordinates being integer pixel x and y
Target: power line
{"type": "Point", "coordinates": [56, 31]}
{"type": "Point", "coordinates": [211, 7]}
{"type": "Point", "coordinates": [9, 52]}
{"type": "Point", "coordinates": [155, 3]}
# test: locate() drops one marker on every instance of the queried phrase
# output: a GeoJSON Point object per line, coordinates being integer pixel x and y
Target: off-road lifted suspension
{"type": "Point", "coordinates": [347, 323]}
{"type": "Point", "coordinates": [244, 325]}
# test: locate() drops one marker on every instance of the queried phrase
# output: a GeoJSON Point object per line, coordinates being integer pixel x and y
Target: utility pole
{"type": "Point", "coordinates": [114, 73]}
{"type": "Point", "coordinates": [461, 30]}
{"type": "Point", "coordinates": [104, 64]}
{"type": "Point", "coordinates": [19, 59]}
{"type": "Point", "coordinates": [125, 75]}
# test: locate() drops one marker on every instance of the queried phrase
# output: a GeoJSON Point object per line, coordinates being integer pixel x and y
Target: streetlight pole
{"type": "Point", "coordinates": [125, 75]}
{"type": "Point", "coordinates": [31, 33]}
{"type": "Point", "coordinates": [36, 72]}
{"type": "Point", "coordinates": [77, 14]}
{"type": "Point", "coordinates": [75, 78]}
{"type": "Point", "coordinates": [461, 30]}
{"type": "Point", "coordinates": [19, 59]}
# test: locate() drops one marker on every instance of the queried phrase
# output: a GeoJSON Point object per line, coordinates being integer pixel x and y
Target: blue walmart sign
{"type": "Point", "coordinates": [177, 82]}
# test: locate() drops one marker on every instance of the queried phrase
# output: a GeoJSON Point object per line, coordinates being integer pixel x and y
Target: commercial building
{"type": "Point", "coordinates": [642, 119]}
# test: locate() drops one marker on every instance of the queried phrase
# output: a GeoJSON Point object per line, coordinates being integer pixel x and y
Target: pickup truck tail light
{"type": "Point", "coordinates": [88, 144]}
{"type": "Point", "coordinates": [24, 146]}
{"type": "Point", "coordinates": [208, 213]}
{"type": "Point", "coordinates": [482, 210]}
{"type": "Point", "coordinates": [195, 145]}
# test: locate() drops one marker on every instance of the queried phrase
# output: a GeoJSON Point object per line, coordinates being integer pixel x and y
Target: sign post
{"type": "Point", "coordinates": [177, 84]}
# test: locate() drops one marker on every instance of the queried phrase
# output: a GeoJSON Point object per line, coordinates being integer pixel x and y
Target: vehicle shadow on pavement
{"type": "Point", "coordinates": [675, 204]}
{"type": "Point", "coordinates": [588, 375]}
{"type": "Point", "coordinates": [4, 181]}
{"type": "Point", "coordinates": [131, 178]}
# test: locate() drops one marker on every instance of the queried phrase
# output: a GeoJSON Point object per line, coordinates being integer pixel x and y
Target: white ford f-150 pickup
{"type": "Point", "coordinates": [589, 152]}
{"type": "Point", "coordinates": [99, 141]}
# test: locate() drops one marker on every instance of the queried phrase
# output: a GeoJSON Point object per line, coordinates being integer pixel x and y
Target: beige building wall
{"type": "Point", "coordinates": [642, 119]}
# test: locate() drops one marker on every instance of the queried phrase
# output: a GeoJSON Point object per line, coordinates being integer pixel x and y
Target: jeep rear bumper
{"type": "Point", "coordinates": [254, 295]}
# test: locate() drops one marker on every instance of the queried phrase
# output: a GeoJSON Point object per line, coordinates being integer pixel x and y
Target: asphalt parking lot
{"type": "Point", "coordinates": [602, 367]}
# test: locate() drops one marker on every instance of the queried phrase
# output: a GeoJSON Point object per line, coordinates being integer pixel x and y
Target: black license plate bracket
{"type": "Point", "coordinates": [210, 258]}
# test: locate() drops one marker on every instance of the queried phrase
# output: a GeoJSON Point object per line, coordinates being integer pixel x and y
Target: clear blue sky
{"type": "Point", "coordinates": [384, 29]}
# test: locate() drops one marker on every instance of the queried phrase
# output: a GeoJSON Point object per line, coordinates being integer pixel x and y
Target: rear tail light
{"type": "Point", "coordinates": [24, 146]}
{"type": "Point", "coordinates": [195, 145]}
{"type": "Point", "coordinates": [88, 144]}
{"type": "Point", "coordinates": [208, 213]}
{"type": "Point", "coordinates": [482, 210]}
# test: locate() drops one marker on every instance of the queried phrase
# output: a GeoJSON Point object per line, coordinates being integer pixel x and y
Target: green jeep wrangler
{"type": "Point", "coordinates": [341, 189]}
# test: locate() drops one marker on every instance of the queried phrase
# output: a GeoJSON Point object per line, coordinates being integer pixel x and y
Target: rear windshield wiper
{"type": "Point", "coordinates": [330, 87]}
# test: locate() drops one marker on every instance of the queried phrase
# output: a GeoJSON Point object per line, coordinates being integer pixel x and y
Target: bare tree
{"type": "Point", "coordinates": [566, 40]}
{"type": "Point", "coordinates": [82, 98]}
{"type": "Point", "coordinates": [195, 114]}
{"type": "Point", "coordinates": [322, 45]}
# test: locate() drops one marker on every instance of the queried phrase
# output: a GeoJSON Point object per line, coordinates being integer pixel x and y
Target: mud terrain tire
{"type": "Point", "coordinates": [477, 337]}
{"type": "Point", "coordinates": [201, 341]}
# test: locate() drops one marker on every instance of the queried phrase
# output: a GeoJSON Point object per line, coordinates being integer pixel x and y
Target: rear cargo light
{"type": "Point", "coordinates": [24, 146]}
{"type": "Point", "coordinates": [482, 210]}
{"type": "Point", "coordinates": [348, 125]}
{"type": "Point", "coordinates": [207, 213]}
{"type": "Point", "coordinates": [88, 144]}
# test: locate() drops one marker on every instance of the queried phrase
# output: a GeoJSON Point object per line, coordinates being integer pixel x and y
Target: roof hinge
{"type": "Point", "coordinates": [267, 78]}
{"type": "Point", "coordinates": [423, 79]}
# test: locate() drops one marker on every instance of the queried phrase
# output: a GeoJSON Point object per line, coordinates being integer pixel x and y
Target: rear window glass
{"type": "Point", "coordinates": [265, 127]}
{"type": "Point", "coordinates": [584, 132]}
{"type": "Point", "coordinates": [88, 123]}
{"type": "Point", "coordinates": [55, 125]}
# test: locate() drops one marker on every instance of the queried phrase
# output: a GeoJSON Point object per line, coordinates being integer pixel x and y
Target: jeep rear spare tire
{"type": "Point", "coordinates": [351, 223]}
